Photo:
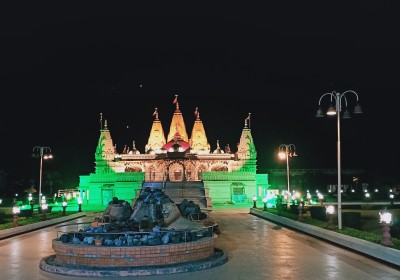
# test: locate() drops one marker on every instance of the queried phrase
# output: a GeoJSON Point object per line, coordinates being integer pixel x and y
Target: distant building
{"type": "Point", "coordinates": [324, 180]}
{"type": "Point", "coordinates": [183, 167]}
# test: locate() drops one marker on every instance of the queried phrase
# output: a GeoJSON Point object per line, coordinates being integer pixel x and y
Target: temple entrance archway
{"type": "Point", "coordinates": [176, 171]}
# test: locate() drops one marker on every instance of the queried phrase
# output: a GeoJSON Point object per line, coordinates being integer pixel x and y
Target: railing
{"type": "Point", "coordinates": [84, 234]}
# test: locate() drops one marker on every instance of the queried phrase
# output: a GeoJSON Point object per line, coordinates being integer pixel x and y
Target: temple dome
{"type": "Point", "coordinates": [218, 150]}
{"type": "Point", "coordinates": [177, 144]}
{"type": "Point", "coordinates": [150, 152]}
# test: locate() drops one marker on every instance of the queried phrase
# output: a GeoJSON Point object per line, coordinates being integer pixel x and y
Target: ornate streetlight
{"type": "Point", "coordinates": [265, 200]}
{"type": "Point", "coordinates": [330, 210]}
{"type": "Point", "coordinates": [286, 151]}
{"type": "Point", "coordinates": [43, 153]}
{"type": "Point", "coordinates": [16, 211]}
{"type": "Point", "coordinates": [64, 207]}
{"type": "Point", "coordinates": [386, 222]}
{"type": "Point", "coordinates": [79, 204]}
{"type": "Point", "coordinates": [334, 109]}
{"type": "Point", "coordinates": [254, 201]}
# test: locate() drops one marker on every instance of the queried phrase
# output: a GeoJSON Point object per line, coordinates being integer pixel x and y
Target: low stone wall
{"type": "Point", "coordinates": [104, 256]}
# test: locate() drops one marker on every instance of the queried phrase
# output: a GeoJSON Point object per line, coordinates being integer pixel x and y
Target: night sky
{"type": "Point", "coordinates": [61, 66]}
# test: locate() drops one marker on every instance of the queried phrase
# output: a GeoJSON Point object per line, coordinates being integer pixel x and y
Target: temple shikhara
{"type": "Point", "coordinates": [183, 167]}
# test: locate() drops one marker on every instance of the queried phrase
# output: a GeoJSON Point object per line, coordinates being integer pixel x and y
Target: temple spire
{"type": "Point", "coordinates": [101, 121]}
{"type": "Point", "coordinates": [156, 138]}
{"type": "Point", "coordinates": [247, 122]}
{"type": "Point", "coordinates": [198, 140]}
{"type": "Point", "coordinates": [105, 149]}
{"type": "Point", "coordinates": [156, 113]}
{"type": "Point", "coordinates": [246, 148]}
{"type": "Point", "coordinates": [176, 102]}
{"type": "Point", "coordinates": [177, 124]}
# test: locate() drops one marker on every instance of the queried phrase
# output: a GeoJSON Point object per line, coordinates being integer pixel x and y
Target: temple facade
{"type": "Point", "coordinates": [183, 166]}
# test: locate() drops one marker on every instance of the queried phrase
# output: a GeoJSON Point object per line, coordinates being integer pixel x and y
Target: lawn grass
{"type": "Point", "coordinates": [6, 220]}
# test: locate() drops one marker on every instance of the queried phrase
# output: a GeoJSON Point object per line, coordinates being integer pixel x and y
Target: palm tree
{"type": "Point", "coordinates": [53, 180]}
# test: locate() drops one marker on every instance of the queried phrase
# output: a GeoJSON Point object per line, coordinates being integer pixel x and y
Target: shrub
{"type": "Point", "coordinates": [318, 212]}
{"type": "Point", "coordinates": [351, 219]}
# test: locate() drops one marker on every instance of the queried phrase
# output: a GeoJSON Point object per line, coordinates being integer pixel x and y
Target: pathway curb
{"type": "Point", "coordinates": [386, 254]}
{"type": "Point", "coordinates": [27, 228]}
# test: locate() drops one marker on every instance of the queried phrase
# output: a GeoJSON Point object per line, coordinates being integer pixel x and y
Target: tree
{"type": "Point", "coordinates": [52, 180]}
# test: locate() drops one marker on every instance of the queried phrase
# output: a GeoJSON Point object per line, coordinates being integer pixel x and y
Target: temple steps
{"type": "Point", "coordinates": [178, 191]}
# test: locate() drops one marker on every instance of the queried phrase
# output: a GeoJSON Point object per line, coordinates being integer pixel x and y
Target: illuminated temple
{"type": "Point", "coordinates": [183, 167]}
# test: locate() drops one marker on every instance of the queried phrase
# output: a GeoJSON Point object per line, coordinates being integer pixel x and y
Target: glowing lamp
{"type": "Point", "coordinates": [64, 206]}
{"type": "Point", "coordinates": [16, 210]}
{"type": "Point", "coordinates": [79, 204]}
{"type": "Point", "coordinates": [385, 217]}
{"type": "Point", "coordinates": [265, 199]}
{"type": "Point", "coordinates": [330, 209]}
{"type": "Point", "coordinates": [386, 221]}
{"type": "Point", "coordinates": [254, 201]}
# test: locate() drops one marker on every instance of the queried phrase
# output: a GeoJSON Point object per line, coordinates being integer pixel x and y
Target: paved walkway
{"type": "Point", "coordinates": [256, 249]}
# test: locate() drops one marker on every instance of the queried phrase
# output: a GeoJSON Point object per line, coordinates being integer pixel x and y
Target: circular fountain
{"type": "Point", "coordinates": [150, 238]}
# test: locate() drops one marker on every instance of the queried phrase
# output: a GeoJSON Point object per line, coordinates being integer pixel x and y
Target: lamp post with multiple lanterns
{"type": "Point", "coordinates": [43, 153]}
{"type": "Point", "coordinates": [335, 108]}
{"type": "Point", "coordinates": [286, 151]}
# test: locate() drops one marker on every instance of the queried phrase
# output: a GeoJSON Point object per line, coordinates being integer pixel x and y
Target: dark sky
{"type": "Point", "coordinates": [63, 65]}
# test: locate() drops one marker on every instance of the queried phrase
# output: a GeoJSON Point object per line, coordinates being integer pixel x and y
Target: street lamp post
{"type": "Point", "coordinates": [335, 109]}
{"type": "Point", "coordinates": [44, 208]}
{"type": "Point", "coordinates": [386, 222]}
{"type": "Point", "coordinates": [286, 151]}
{"type": "Point", "coordinates": [64, 207]}
{"type": "Point", "coordinates": [43, 153]}
{"type": "Point", "coordinates": [265, 200]}
{"type": "Point", "coordinates": [16, 212]}
{"type": "Point", "coordinates": [329, 212]}
{"type": "Point", "coordinates": [79, 204]}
